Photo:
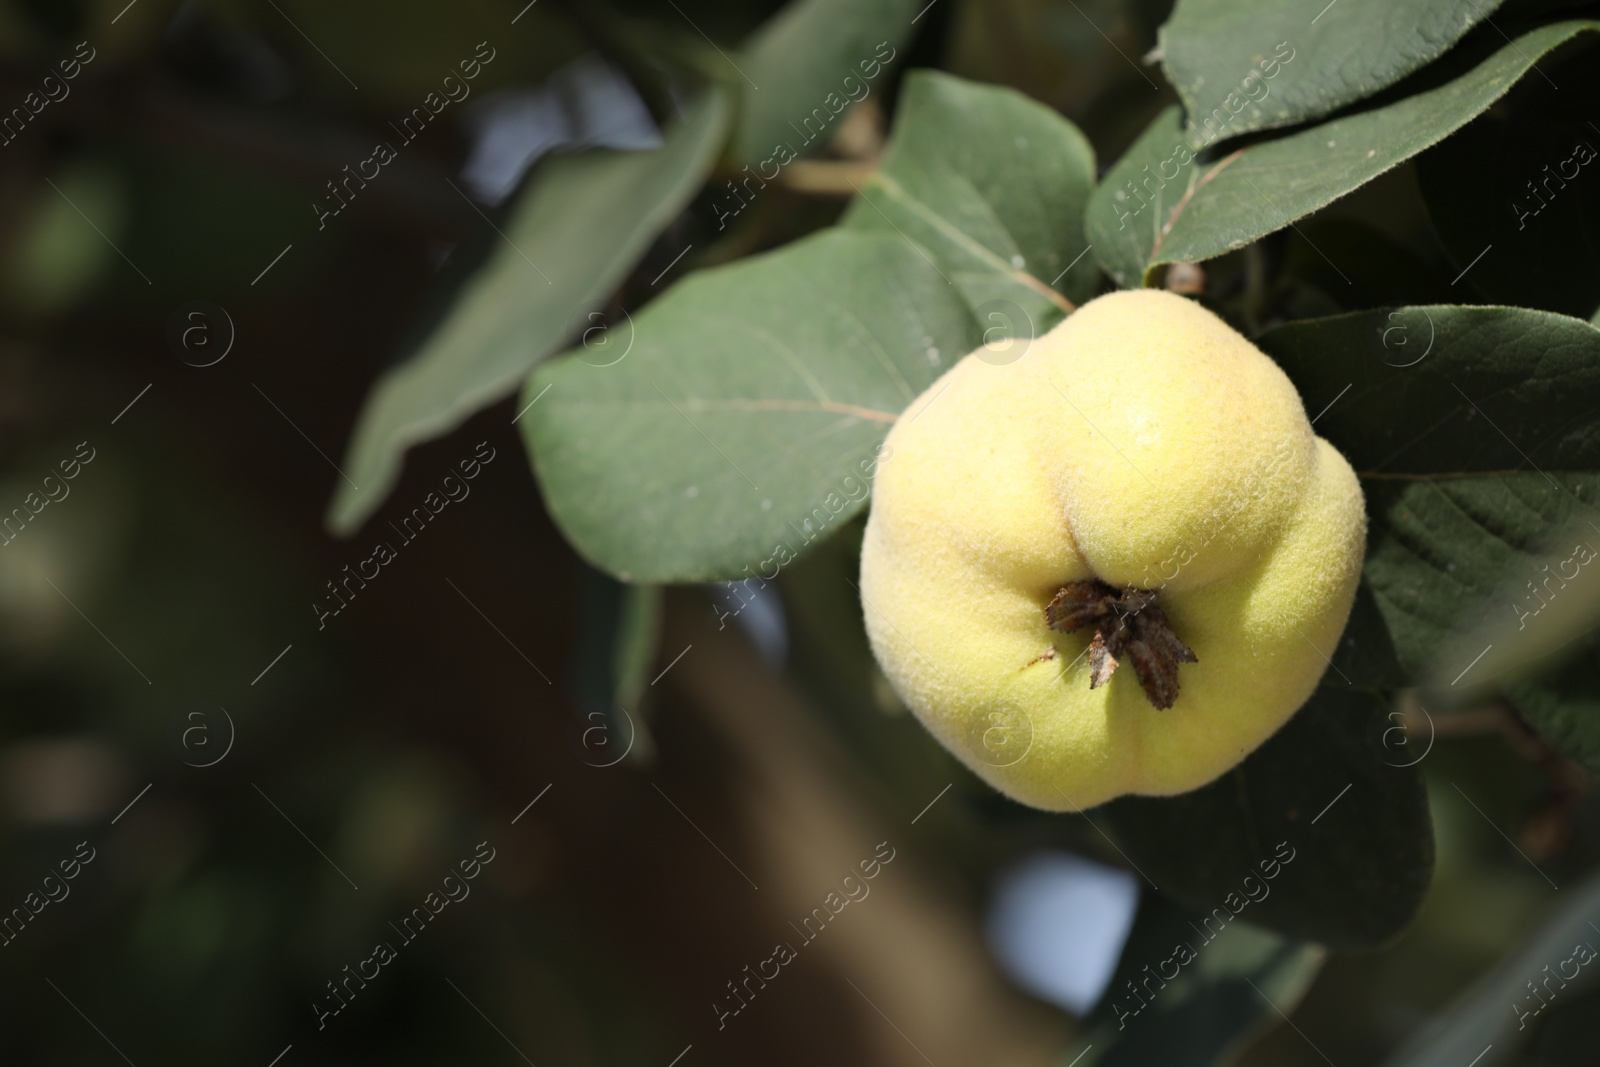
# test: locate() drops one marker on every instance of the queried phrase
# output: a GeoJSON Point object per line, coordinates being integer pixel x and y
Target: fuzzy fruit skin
{"type": "Point", "coordinates": [1146, 443]}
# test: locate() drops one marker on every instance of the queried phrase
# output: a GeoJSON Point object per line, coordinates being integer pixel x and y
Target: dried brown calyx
{"type": "Point", "coordinates": [1127, 622]}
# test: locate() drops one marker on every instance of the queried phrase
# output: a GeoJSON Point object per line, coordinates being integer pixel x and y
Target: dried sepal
{"type": "Point", "coordinates": [1101, 661]}
{"type": "Point", "coordinates": [1078, 604]}
{"type": "Point", "coordinates": [1128, 624]}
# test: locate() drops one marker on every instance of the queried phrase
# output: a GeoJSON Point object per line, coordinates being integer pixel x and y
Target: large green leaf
{"type": "Point", "coordinates": [1231, 988]}
{"type": "Point", "coordinates": [1473, 430]}
{"type": "Point", "coordinates": [744, 423]}
{"type": "Point", "coordinates": [573, 236]}
{"type": "Point", "coordinates": [805, 65]}
{"type": "Point", "coordinates": [1162, 204]}
{"type": "Point", "coordinates": [1326, 792]}
{"type": "Point", "coordinates": [1441, 390]}
{"type": "Point", "coordinates": [1279, 62]}
{"type": "Point", "coordinates": [1563, 703]}
{"type": "Point", "coordinates": [1449, 554]}
{"type": "Point", "coordinates": [993, 185]}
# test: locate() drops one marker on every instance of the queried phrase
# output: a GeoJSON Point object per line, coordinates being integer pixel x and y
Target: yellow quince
{"type": "Point", "coordinates": [1141, 487]}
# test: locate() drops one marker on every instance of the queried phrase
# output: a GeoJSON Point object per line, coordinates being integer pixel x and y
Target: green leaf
{"type": "Point", "coordinates": [993, 186]}
{"type": "Point", "coordinates": [1217, 51]}
{"type": "Point", "coordinates": [1366, 654]}
{"type": "Point", "coordinates": [1161, 204]}
{"type": "Point", "coordinates": [1488, 1014]}
{"type": "Point", "coordinates": [1563, 704]}
{"type": "Point", "coordinates": [638, 641]}
{"type": "Point", "coordinates": [744, 423]}
{"type": "Point", "coordinates": [619, 636]}
{"type": "Point", "coordinates": [1440, 390]}
{"type": "Point", "coordinates": [618, 639]}
{"type": "Point", "coordinates": [804, 66]}
{"type": "Point", "coordinates": [1231, 990]}
{"type": "Point", "coordinates": [1473, 431]}
{"type": "Point", "coordinates": [1515, 198]}
{"type": "Point", "coordinates": [1446, 556]}
{"type": "Point", "coordinates": [1323, 790]}
{"type": "Point", "coordinates": [575, 233]}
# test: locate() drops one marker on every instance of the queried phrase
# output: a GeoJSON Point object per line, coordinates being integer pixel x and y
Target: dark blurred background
{"type": "Point", "coordinates": [266, 798]}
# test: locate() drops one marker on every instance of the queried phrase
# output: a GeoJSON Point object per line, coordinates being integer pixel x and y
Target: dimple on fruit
{"type": "Point", "coordinates": [1116, 565]}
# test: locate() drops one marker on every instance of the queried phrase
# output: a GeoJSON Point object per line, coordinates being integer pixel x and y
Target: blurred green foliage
{"type": "Point", "coordinates": [168, 591]}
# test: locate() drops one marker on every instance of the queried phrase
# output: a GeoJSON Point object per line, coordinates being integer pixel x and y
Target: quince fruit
{"type": "Point", "coordinates": [1142, 487]}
